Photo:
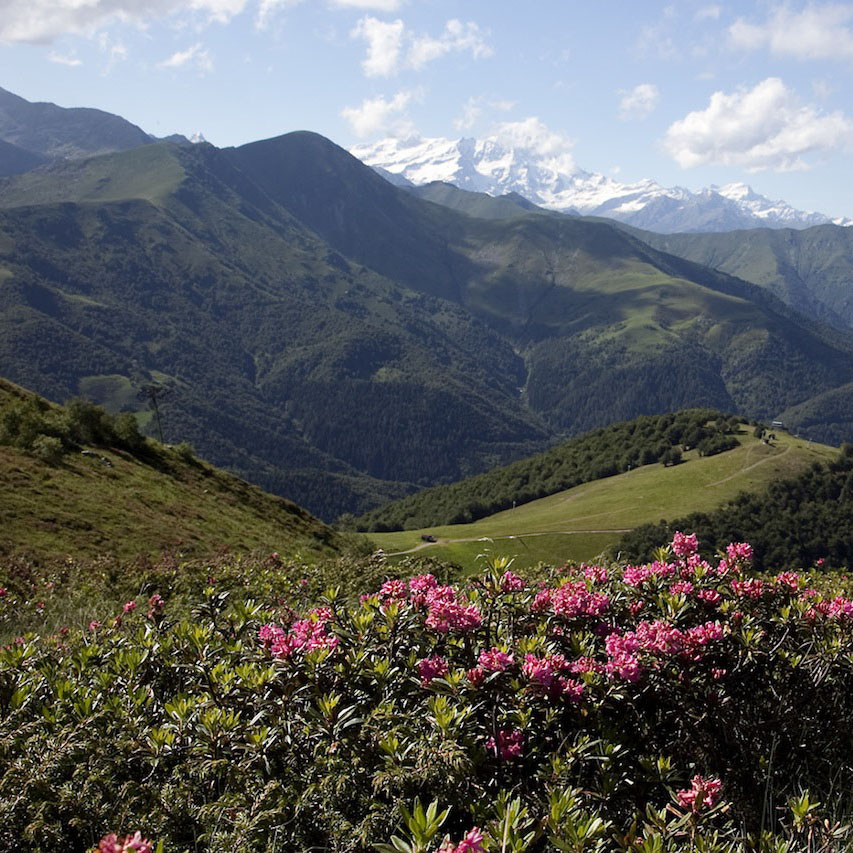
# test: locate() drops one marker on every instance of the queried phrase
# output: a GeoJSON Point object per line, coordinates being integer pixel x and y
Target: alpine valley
{"type": "Point", "coordinates": [343, 341]}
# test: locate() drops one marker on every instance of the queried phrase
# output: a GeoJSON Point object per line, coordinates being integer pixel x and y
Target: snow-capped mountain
{"type": "Point", "coordinates": [552, 181]}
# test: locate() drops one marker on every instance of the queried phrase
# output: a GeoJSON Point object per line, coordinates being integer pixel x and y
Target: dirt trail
{"type": "Point", "coordinates": [421, 545]}
{"type": "Point", "coordinates": [750, 467]}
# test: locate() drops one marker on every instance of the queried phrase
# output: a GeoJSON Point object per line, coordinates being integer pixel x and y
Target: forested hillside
{"type": "Point", "coordinates": [600, 453]}
{"type": "Point", "coordinates": [797, 523]}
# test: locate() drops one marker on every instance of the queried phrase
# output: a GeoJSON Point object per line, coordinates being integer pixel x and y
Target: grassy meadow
{"type": "Point", "coordinates": [581, 523]}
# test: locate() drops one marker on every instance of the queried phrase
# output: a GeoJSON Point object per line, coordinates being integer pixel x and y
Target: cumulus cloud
{"type": "Point", "coordinates": [380, 116]}
{"type": "Point", "coordinates": [384, 43]}
{"type": "Point", "coordinates": [42, 21]}
{"type": "Point", "coordinates": [766, 127]}
{"type": "Point", "coordinates": [552, 147]}
{"type": "Point", "coordinates": [377, 5]}
{"type": "Point", "coordinates": [639, 101]}
{"type": "Point", "coordinates": [197, 56]}
{"type": "Point", "coordinates": [457, 37]}
{"type": "Point", "coordinates": [816, 32]}
{"type": "Point", "coordinates": [473, 108]}
{"type": "Point", "coordinates": [391, 47]}
{"type": "Point", "coordinates": [60, 59]}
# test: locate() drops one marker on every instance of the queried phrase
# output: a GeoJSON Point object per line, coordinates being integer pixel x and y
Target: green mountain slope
{"type": "Point", "coordinates": [582, 522]}
{"type": "Point", "coordinates": [342, 342]}
{"type": "Point", "coordinates": [798, 522]}
{"type": "Point", "coordinates": [102, 498]}
{"type": "Point", "coordinates": [600, 453]}
{"type": "Point", "coordinates": [809, 269]}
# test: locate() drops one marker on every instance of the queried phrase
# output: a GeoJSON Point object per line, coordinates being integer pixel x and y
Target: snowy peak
{"type": "Point", "coordinates": [550, 178]}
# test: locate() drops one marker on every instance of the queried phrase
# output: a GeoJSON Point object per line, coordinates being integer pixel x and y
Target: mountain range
{"type": "Point", "coordinates": [491, 166]}
{"type": "Point", "coordinates": [342, 341]}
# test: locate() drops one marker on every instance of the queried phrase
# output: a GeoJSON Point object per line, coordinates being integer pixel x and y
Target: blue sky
{"type": "Point", "coordinates": [688, 93]}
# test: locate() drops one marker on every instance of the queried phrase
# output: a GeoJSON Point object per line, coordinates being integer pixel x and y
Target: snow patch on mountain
{"type": "Point", "coordinates": [554, 182]}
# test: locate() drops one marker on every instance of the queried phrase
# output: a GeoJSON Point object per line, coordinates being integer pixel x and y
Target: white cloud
{"type": "Point", "coordinates": [817, 32]}
{"type": "Point", "coordinates": [708, 13]}
{"type": "Point", "coordinates": [391, 47]}
{"type": "Point", "coordinates": [474, 107]}
{"type": "Point", "coordinates": [378, 115]}
{"type": "Point", "coordinates": [42, 21]}
{"type": "Point", "coordinates": [384, 43]}
{"type": "Point", "coordinates": [268, 8]}
{"type": "Point", "coordinates": [196, 55]}
{"type": "Point", "coordinates": [377, 5]}
{"type": "Point", "coordinates": [456, 37]}
{"type": "Point", "coordinates": [639, 102]}
{"type": "Point", "coordinates": [767, 127]}
{"type": "Point", "coordinates": [552, 147]}
{"type": "Point", "coordinates": [59, 59]}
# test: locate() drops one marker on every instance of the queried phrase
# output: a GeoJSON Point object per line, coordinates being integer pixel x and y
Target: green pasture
{"type": "Point", "coordinates": [581, 523]}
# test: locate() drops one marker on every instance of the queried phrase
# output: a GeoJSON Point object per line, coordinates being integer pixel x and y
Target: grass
{"type": "Point", "coordinates": [581, 523]}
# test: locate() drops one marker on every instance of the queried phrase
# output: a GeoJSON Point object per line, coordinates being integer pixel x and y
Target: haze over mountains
{"type": "Point", "coordinates": [551, 179]}
{"type": "Point", "coordinates": [342, 341]}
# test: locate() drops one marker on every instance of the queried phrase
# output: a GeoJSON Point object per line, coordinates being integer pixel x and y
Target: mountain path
{"type": "Point", "coordinates": [750, 467]}
{"type": "Point", "coordinates": [421, 545]}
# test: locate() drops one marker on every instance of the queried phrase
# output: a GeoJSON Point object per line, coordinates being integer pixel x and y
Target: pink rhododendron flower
{"type": "Point", "coordinates": [511, 582]}
{"type": "Point", "coordinates": [129, 607]}
{"type": "Point", "coordinates": [596, 574]}
{"type": "Point", "coordinates": [94, 625]}
{"type": "Point", "coordinates": [709, 596]}
{"type": "Point", "coordinates": [131, 844]}
{"type": "Point", "coordinates": [684, 545]}
{"type": "Point", "coordinates": [495, 660]}
{"type": "Point", "coordinates": [305, 635]}
{"type": "Point", "coordinates": [701, 793]}
{"type": "Point", "coordinates": [736, 551]}
{"type": "Point", "coordinates": [396, 589]}
{"type": "Point", "coordinates": [2, 591]}
{"type": "Point", "coordinates": [476, 675]}
{"type": "Point", "coordinates": [752, 588]}
{"type": "Point", "coordinates": [681, 588]}
{"type": "Point", "coordinates": [471, 843]}
{"type": "Point", "coordinates": [509, 744]}
{"type": "Point", "coordinates": [788, 579]}
{"type": "Point", "coordinates": [430, 668]}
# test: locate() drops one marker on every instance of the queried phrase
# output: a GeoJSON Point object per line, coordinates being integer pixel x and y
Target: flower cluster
{"type": "Point", "coordinates": [471, 843]}
{"type": "Point", "coordinates": [430, 668]}
{"type": "Point", "coordinates": [545, 675]}
{"type": "Point", "coordinates": [130, 844]}
{"type": "Point", "coordinates": [508, 744]}
{"type": "Point", "coordinates": [701, 793]}
{"type": "Point", "coordinates": [305, 635]}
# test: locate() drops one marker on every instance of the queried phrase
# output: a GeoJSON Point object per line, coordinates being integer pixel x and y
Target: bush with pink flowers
{"type": "Point", "coordinates": [679, 703]}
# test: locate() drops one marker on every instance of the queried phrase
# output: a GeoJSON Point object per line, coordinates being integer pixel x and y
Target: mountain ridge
{"type": "Point", "coordinates": [553, 182]}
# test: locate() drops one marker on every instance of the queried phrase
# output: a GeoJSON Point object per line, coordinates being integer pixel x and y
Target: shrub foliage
{"type": "Point", "coordinates": [681, 702]}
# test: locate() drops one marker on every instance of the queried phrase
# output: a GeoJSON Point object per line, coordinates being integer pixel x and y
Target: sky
{"type": "Point", "coordinates": [688, 93]}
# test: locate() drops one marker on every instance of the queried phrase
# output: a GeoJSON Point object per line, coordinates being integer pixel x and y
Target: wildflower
{"type": "Point", "coordinates": [430, 668]}
{"type": "Point", "coordinates": [684, 545]}
{"type": "Point", "coordinates": [681, 588]}
{"type": "Point", "coordinates": [495, 660]}
{"type": "Point", "coordinates": [596, 574]}
{"type": "Point", "coordinates": [752, 588]}
{"type": "Point", "coordinates": [508, 744]}
{"type": "Point", "coordinates": [511, 582]}
{"type": "Point", "coordinates": [788, 579]}
{"type": "Point", "coordinates": [129, 606]}
{"type": "Point", "coordinates": [471, 843]}
{"type": "Point", "coordinates": [709, 596]}
{"type": "Point", "coordinates": [476, 675]}
{"type": "Point", "coordinates": [2, 591]}
{"type": "Point", "coordinates": [94, 625]}
{"type": "Point", "coordinates": [702, 792]}
{"type": "Point", "coordinates": [131, 844]}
